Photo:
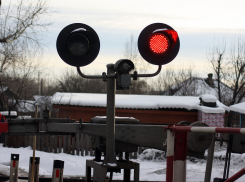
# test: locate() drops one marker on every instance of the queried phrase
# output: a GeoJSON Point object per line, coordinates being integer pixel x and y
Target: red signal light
{"type": "Point", "coordinates": [158, 43]}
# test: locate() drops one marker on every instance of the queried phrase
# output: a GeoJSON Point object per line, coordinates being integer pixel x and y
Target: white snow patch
{"type": "Point", "coordinates": [208, 98]}
{"type": "Point", "coordinates": [240, 107]}
{"type": "Point", "coordinates": [6, 113]}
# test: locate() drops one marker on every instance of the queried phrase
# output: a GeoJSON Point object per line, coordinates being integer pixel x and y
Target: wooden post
{"type": "Point", "coordinates": [46, 143]}
{"type": "Point", "coordinates": [36, 169]}
{"type": "Point", "coordinates": [51, 137]}
{"type": "Point", "coordinates": [140, 150]}
{"type": "Point", "coordinates": [42, 142]}
{"type": "Point", "coordinates": [77, 144]}
{"type": "Point", "coordinates": [135, 155]}
{"type": "Point", "coordinates": [73, 145]}
{"type": "Point", "coordinates": [38, 143]}
{"type": "Point", "coordinates": [69, 145]}
{"type": "Point", "coordinates": [82, 144]}
{"type": "Point", "coordinates": [91, 151]}
{"type": "Point", "coordinates": [55, 144]}
{"type": "Point", "coordinates": [86, 144]}
{"type": "Point", "coordinates": [58, 169]}
{"type": "Point", "coordinates": [60, 143]}
{"type": "Point", "coordinates": [14, 167]}
{"type": "Point", "coordinates": [64, 143]}
{"type": "Point", "coordinates": [34, 149]}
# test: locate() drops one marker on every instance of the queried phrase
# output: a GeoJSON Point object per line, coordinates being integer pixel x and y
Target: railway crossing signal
{"type": "Point", "coordinates": [158, 43]}
{"type": "Point", "coordinates": [78, 44]}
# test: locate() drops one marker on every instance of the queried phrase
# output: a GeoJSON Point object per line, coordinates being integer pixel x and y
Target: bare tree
{"type": "Point", "coordinates": [164, 81]}
{"type": "Point", "coordinates": [218, 61]}
{"type": "Point", "coordinates": [179, 80]}
{"type": "Point", "coordinates": [131, 52]}
{"type": "Point", "coordinates": [236, 71]}
{"type": "Point", "coordinates": [72, 82]}
{"type": "Point", "coordinates": [23, 23]}
{"type": "Point", "coordinates": [22, 27]}
{"type": "Point", "coordinates": [229, 70]}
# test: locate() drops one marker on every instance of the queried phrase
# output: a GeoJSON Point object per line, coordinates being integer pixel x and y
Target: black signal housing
{"type": "Point", "coordinates": [164, 49]}
{"type": "Point", "coordinates": [78, 44]}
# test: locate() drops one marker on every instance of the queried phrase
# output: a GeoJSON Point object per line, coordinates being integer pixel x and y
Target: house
{"type": "Point", "coordinates": [11, 100]}
{"type": "Point", "coordinates": [8, 98]}
{"type": "Point", "coordinates": [28, 107]}
{"type": "Point", "coordinates": [195, 86]}
{"type": "Point", "coordinates": [148, 109]}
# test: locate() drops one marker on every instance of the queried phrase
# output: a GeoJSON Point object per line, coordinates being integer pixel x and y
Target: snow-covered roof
{"type": "Point", "coordinates": [137, 102]}
{"type": "Point", "coordinates": [240, 107]}
{"type": "Point", "coordinates": [208, 98]}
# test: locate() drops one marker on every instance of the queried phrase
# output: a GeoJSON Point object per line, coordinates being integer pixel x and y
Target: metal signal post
{"type": "Point", "coordinates": [78, 45]}
{"type": "Point", "coordinates": [110, 114]}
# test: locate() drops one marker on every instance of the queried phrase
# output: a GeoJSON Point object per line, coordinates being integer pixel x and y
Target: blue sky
{"type": "Point", "coordinates": [200, 25]}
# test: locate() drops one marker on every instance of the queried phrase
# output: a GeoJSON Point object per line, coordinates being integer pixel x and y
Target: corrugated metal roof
{"type": "Point", "coordinates": [136, 101]}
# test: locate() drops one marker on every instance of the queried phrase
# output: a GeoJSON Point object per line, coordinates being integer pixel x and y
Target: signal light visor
{"type": "Point", "coordinates": [158, 43]}
{"type": "Point", "coordinates": [78, 44]}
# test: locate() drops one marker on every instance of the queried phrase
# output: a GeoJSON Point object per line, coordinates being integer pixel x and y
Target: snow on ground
{"type": "Point", "coordinates": [152, 164]}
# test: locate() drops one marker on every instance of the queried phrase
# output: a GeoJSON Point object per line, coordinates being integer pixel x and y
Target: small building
{"type": "Point", "coordinates": [148, 109]}
{"type": "Point", "coordinates": [239, 113]}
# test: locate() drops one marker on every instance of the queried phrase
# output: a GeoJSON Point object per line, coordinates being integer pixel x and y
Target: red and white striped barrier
{"type": "Point", "coordinates": [177, 149]}
{"type": "Point", "coordinates": [180, 154]}
{"type": "Point", "coordinates": [170, 156]}
{"type": "Point", "coordinates": [176, 156]}
{"type": "Point", "coordinates": [207, 129]}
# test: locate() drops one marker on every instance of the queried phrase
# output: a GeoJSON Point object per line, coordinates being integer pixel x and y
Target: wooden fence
{"type": "Point", "coordinates": [79, 144]}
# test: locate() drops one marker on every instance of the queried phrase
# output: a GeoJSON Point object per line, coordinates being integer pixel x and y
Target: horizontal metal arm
{"type": "Point", "coordinates": [103, 76]}
{"type": "Point", "coordinates": [148, 75]}
{"type": "Point", "coordinates": [143, 135]}
{"type": "Point", "coordinates": [88, 76]}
